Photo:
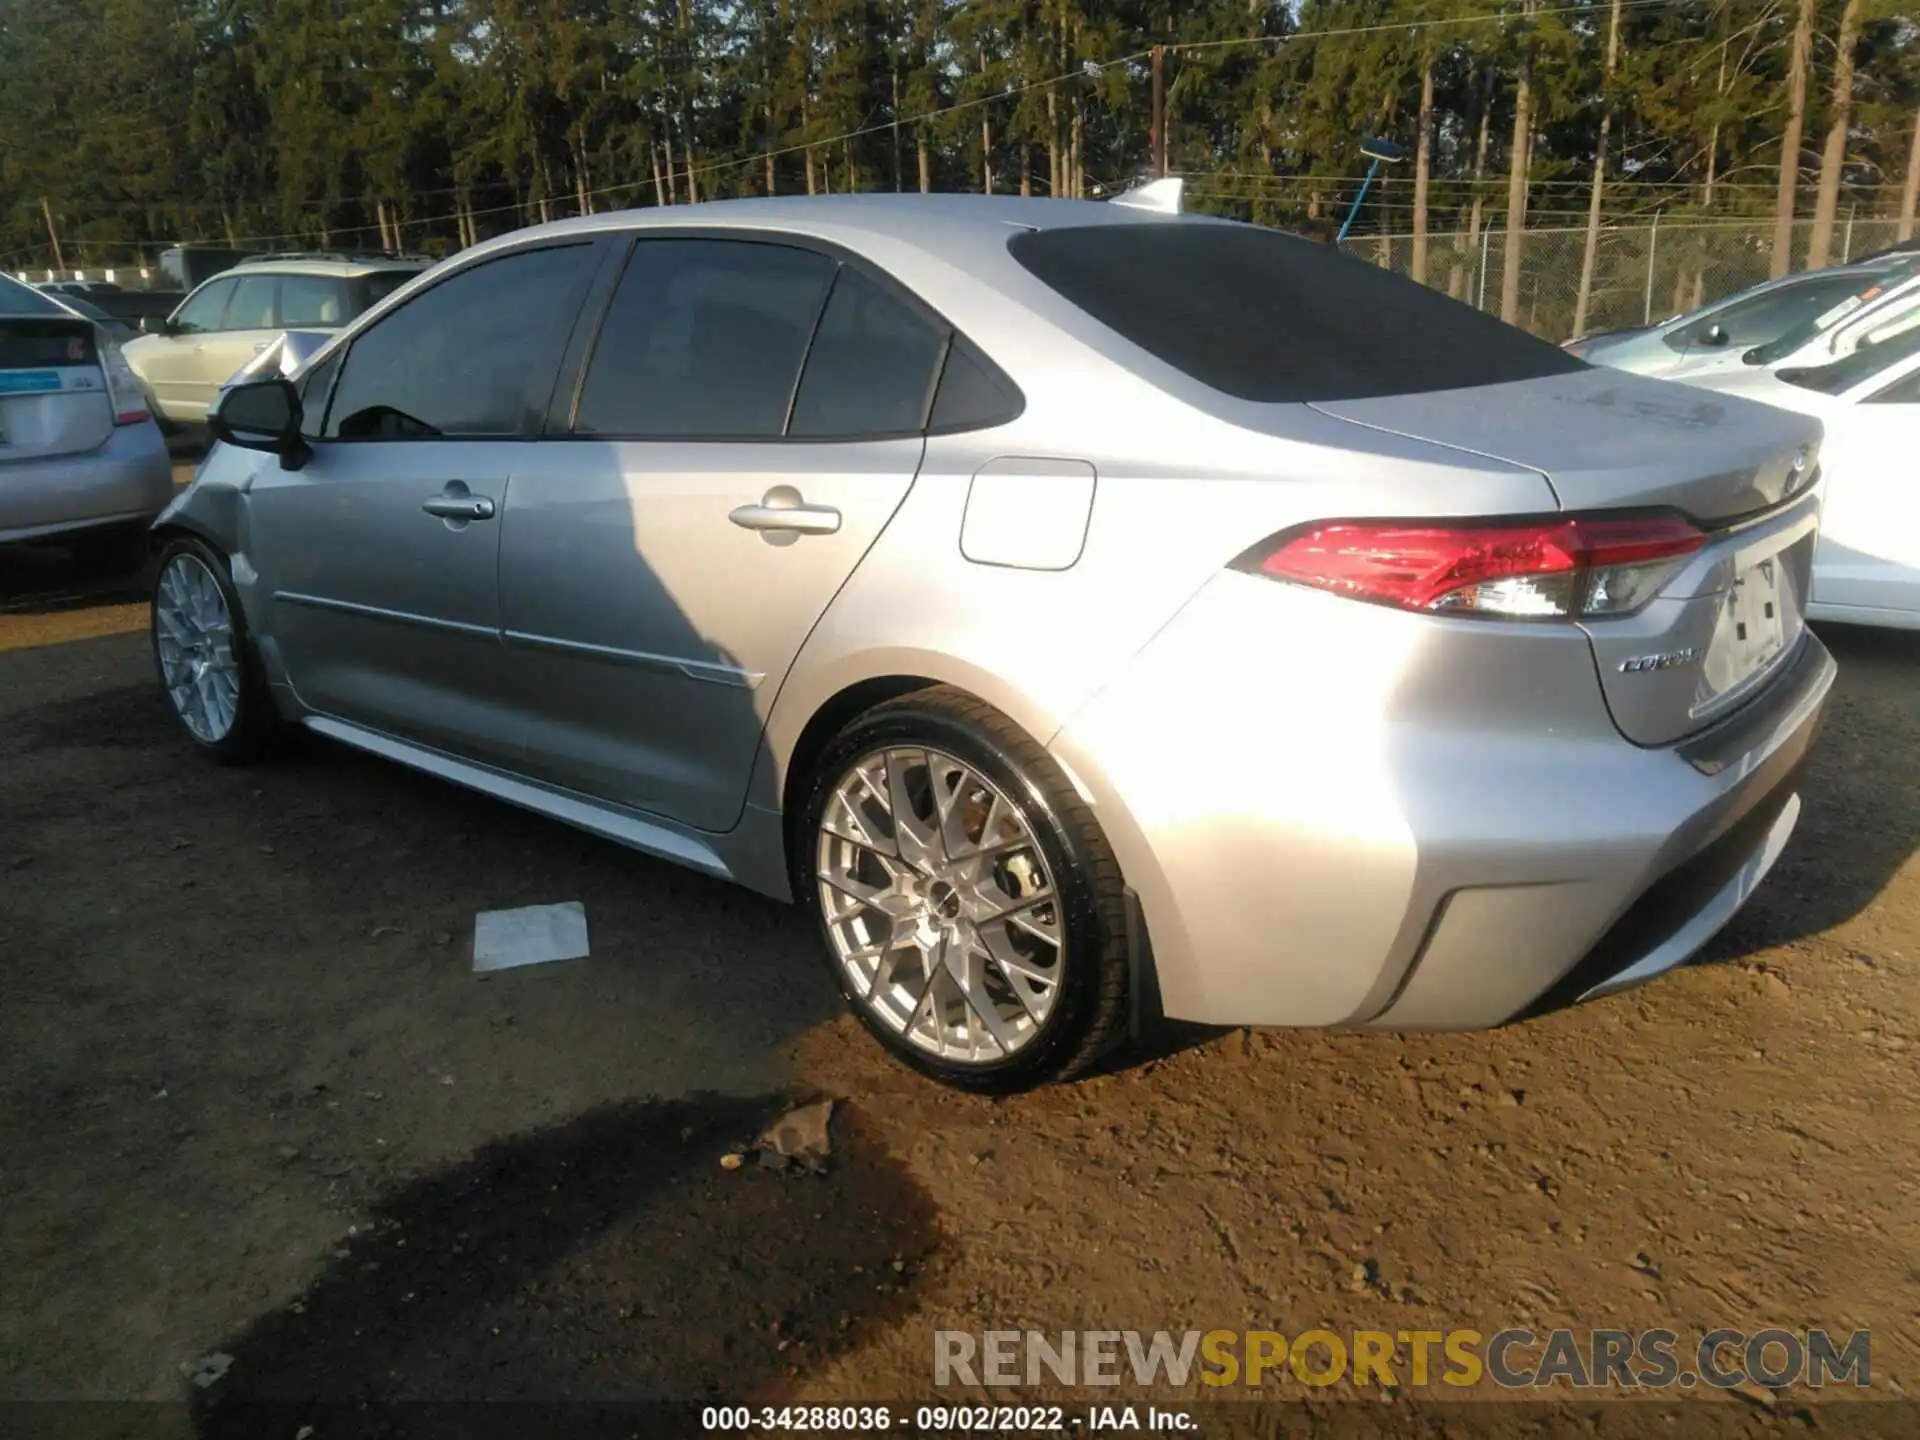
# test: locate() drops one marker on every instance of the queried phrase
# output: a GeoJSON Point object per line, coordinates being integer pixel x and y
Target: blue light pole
{"type": "Point", "coordinates": [1381, 152]}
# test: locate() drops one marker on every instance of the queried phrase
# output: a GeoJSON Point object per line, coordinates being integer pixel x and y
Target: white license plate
{"type": "Point", "coordinates": [1753, 628]}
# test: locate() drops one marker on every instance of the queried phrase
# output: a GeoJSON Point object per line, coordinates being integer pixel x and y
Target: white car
{"type": "Point", "coordinates": [1870, 318]}
{"type": "Point", "coordinates": [1866, 566]}
{"type": "Point", "coordinates": [184, 360]}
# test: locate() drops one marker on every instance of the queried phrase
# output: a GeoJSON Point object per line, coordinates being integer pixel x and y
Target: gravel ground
{"type": "Point", "coordinates": [255, 1103]}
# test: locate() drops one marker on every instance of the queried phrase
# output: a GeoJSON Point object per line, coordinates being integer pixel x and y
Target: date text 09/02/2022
{"type": "Point", "coordinates": [947, 1419]}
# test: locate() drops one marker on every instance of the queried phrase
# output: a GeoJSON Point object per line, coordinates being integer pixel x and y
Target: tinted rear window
{"type": "Point", "coordinates": [1260, 315]}
{"type": "Point", "coordinates": [33, 343]}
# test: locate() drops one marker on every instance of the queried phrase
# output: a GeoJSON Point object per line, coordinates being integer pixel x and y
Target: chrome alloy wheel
{"type": "Point", "coordinates": [940, 905]}
{"type": "Point", "coordinates": [193, 634]}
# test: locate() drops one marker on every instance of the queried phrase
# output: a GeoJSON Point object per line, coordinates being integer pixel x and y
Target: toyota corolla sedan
{"type": "Point", "coordinates": [1083, 613]}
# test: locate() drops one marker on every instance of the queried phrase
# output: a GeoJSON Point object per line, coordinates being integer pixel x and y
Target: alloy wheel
{"type": "Point", "coordinates": [940, 905]}
{"type": "Point", "coordinates": [193, 635]}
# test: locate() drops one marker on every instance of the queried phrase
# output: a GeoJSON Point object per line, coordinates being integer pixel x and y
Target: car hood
{"type": "Point", "coordinates": [1608, 439]}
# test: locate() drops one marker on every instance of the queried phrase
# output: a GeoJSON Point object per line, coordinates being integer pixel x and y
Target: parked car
{"type": "Point", "coordinates": [1716, 337]}
{"type": "Point", "coordinates": [1867, 566]}
{"type": "Point", "coordinates": [226, 321]}
{"type": "Point", "coordinates": [1084, 613]}
{"type": "Point", "coordinates": [79, 287]}
{"type": "Point", "coordinates": [82, 463]}
{"type": "Point", "coordinates": [1855, 323]}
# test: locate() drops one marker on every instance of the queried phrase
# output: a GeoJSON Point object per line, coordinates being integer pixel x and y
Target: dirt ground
{"type": "Point", "coordinates": [255, 1104]}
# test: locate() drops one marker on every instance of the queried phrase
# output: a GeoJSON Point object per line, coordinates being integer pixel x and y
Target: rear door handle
{"type": "Point", "coordinates": [460, 507]}
{"type": "Point", "coordinates": [784, 510]}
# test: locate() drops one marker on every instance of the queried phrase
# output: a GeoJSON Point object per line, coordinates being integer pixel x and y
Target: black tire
{"type": "Point", "coordinates": [255, 722]}
{"type": "Point", "coordinates": [1089, 1016]}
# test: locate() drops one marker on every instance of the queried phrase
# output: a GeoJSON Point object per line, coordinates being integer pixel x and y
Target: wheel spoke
{"type": "Point", "coordinates": [931, 949]}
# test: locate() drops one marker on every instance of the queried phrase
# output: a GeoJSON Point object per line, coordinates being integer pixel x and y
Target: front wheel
{"type": "Point", "coordinates": [207, 669]}
{"type": "Point", "coordinates": [971, 910]}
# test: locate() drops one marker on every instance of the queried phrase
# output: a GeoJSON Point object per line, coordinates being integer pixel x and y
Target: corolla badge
{"type": "Point", "coordinates": [1666, 660]}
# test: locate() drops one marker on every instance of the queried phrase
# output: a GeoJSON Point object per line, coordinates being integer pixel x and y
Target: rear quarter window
{"type": "Point", "coordinates": [1265, 316]}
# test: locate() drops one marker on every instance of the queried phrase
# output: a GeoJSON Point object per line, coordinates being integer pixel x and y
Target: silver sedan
{"type": "Point", "coordinates": [1085, 613]}
{"type": "Point", "coordinates": [82, 463]}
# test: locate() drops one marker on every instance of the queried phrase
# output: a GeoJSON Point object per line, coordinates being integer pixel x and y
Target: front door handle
{"type": "Point", "coordinates": [460, 507]}
{"type": "Point", "coordinates": [784, 511]}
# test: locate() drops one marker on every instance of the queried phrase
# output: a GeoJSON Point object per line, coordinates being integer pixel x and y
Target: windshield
{"type": "Point", "coordinates": [1862, 364]}
{"type": "Point", "coordinates": [1264, 316]}
{"type": "Point", "coordinates": [1818, 325]}
{"type": "Point", "coordinates": [18, 299]}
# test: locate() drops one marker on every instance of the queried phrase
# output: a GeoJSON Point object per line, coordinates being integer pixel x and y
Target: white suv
{"type": "Point", "coordinates": [221, 326]}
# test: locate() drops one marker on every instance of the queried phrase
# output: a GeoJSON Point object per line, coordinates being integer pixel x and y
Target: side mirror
{"type": "Point", "coordinates": [1715, 336]}
{"type": "Point", "coordinates": [261, 415]}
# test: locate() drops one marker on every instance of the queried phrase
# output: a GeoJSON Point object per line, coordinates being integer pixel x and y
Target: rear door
{"type": "Point", "coordinates": [53, 394]}
{"type": "Point", "coordinates": [1869, 554]}
{"type": "Point", "coordinates": [248, 327]}
{"type": "Point", "coordinates": [381, 556]}
{"type": "Point", "coordinates": [663, 564]}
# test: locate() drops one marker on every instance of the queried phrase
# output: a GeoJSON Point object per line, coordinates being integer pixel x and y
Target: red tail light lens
{"type": "Point", "coordinates": [1526, 570]}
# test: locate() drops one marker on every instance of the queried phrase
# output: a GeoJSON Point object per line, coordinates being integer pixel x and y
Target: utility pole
{"type": "Point", "coordinates": [1159, 121]}
{"type": "Point", "coordinates": [59, 260]}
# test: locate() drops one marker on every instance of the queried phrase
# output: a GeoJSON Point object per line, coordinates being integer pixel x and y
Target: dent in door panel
{"type": "Point", "coordinates": [1028, 514]}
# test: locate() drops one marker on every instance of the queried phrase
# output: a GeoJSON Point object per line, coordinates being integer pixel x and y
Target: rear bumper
{"type": "Point", "coordinates": [127, 481]}
{"type": "Point", "coordinates": [1338, 814]}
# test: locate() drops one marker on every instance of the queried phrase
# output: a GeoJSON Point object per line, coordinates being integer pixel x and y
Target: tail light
{"type": "Point", "coordinates": [1518, 570]}
{"type": "Point", "coordinates": [129, 403]}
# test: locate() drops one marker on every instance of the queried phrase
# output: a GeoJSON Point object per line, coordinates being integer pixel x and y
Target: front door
{"type": "Point", "coordinates": [662, 567]}
{"type": "Point", "coordinates": [171, 362]}
{"type": "Point", "coordinates": [380, 557]}
{"type": "Point", "coordinates": [250, 324]}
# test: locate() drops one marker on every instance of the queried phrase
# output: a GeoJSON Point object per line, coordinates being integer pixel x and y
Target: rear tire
{"type": "Point", "coordinates": [984, 942]}
{"type": "Point", "coordinates": [208, 671]}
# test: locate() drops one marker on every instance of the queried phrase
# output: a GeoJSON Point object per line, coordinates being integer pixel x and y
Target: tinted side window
{"type": "Point", "coordinates": [871, 368]}
{"type": "Point", "coordinates": [252, 305]}
{"type": "Point", "coordinates": [703, 338]}
{"type": "Point", "coordinates": [202, 310]}
{"type": "Point", "coordinates": [473, 355]}
{"type": "Point", "coordinates": [1759, 319]}
{"type": "Point", "coordinates": [972, 392]}
{"type": "Point", "coordinates": [315, 386]}
{"type": "Point", "coordinates": [311, 300]}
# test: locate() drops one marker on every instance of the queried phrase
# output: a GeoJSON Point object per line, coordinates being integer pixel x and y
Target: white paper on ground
{"type": "Point", "coordinates": [531, 935]}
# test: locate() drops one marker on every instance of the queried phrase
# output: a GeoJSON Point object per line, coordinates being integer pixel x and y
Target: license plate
{"type": "Point", "coordinates": [29, 382]}
{"type": "Point", "coordinates": [1754, 626]}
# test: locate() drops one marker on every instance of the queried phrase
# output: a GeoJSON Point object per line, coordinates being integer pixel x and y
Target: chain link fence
{"type": "Point", "coordinates": [1642, 273]}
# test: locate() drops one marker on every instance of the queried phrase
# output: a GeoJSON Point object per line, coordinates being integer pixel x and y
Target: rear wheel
{"type": "Point", "coordinates": [207, 668]}
{"type": "Point", "coordinates": [971, 910]}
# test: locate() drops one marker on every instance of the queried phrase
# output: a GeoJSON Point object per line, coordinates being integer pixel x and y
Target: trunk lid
{"type": "Point", "coordinates": [1609, 440]}
{"type": "Point", "coordinates": [1729, 618]}
{"type": "Point", "coordinates": [53, 391]}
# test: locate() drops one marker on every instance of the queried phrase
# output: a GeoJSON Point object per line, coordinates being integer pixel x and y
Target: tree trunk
{"type": "Point", "coordinates": [1026, 171]}
{"type": "Point", "coordinates": [686, 150]}
{"type": "Point", "coordinates": [1077, 179]}
{"type": "Point", "coordinates": [1782, 259]}
{"type": "Point", "coordinates": [659, 180]}
{"type": "Point", "coordinates": [986, 153]}
{"type": "Point", "coordinates": [1422, 165]}
{"type": "Point", "coordinates": [1912, 191]}
{"type": "Point", "coordinates": [926, 162]}
{"type": "Point", "coordinates": [1590, 256]}
{"type": "Point", "coordinates": [1834, 158]}
{"type": "Point", "coordinates": [1477, 211]}
{"type": "Point", "coordinates": [1054, 186]}
{"type": "Point", "coordinates": [1517, 194]}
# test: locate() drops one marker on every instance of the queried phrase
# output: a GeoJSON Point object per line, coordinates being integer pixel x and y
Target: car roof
{"type": "Point", "coordinates": [946, 225]}
{"type": "Point", "coordinates": [348, 269]}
